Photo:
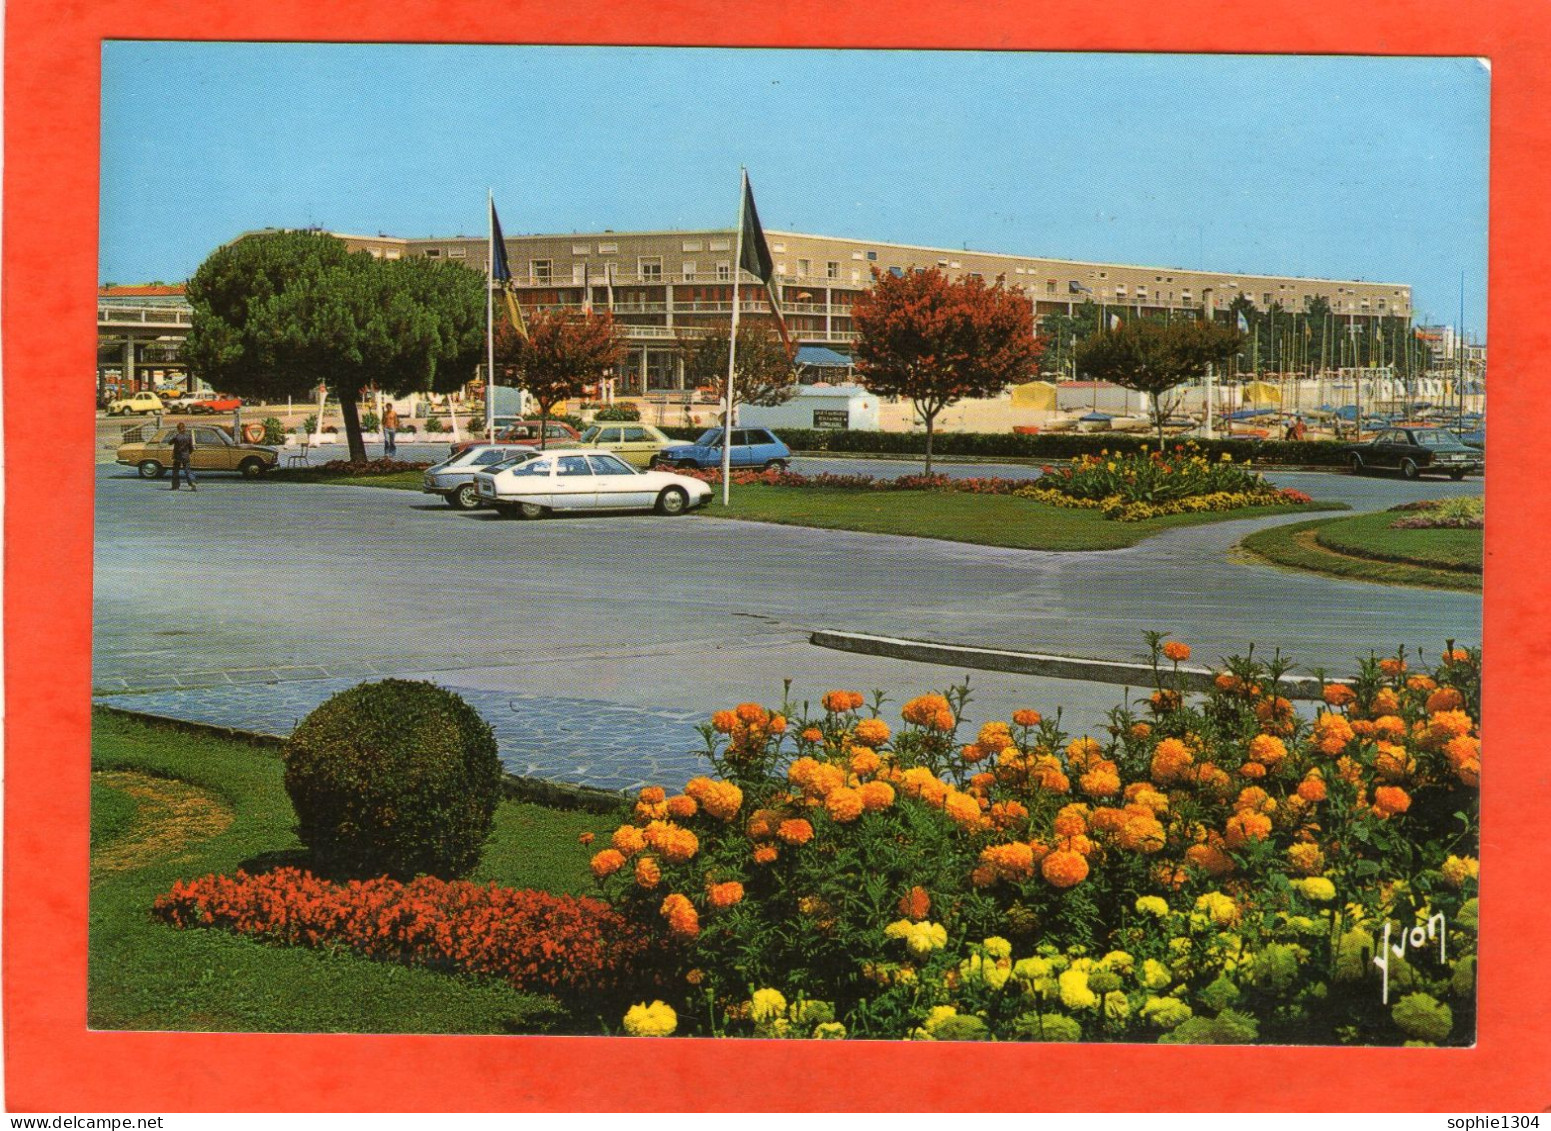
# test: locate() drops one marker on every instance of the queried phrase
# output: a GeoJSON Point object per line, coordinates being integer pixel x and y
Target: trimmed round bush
{"type": "Point", "coordinates": [397, 778]}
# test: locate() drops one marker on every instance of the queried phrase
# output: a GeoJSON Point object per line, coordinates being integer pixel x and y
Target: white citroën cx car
{"type": "Point", "coordinates": [567, 479]}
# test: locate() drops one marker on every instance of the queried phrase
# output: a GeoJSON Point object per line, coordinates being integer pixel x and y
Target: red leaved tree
{"type": "Point", "coordinates": [563, 353]}
{"type": "Point", "coordinates": [937, 340]}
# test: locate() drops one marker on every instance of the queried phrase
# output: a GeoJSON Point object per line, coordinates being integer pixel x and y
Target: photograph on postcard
{"type": "Point", "coordinates": [788, 543]}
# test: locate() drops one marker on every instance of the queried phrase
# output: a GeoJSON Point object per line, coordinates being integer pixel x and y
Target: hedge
{"type": "Point", "coordinates": [1051, 445]}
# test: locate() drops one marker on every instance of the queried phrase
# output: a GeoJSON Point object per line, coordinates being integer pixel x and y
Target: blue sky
{"type": "Point", "coordinates": [1347, 167]}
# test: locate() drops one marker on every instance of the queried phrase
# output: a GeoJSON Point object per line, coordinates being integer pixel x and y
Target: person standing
{"type": "Point", "coordinates": [182, 456]}
{"type": "Point", "coordinates": [390, 423]}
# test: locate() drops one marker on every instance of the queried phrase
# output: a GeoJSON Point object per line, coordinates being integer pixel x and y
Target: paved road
{"type": "Point", "coordinates": [246, 583]}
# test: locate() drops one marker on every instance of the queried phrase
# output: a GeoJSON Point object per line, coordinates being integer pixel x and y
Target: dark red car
{"type": "Point", "coordinates": [556, 433]}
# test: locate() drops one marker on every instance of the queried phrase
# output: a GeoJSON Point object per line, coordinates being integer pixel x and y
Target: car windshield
{"type": "Point", "coordinates": [710, 438]}
{"type": "Point", "coordinates": [513, 461]}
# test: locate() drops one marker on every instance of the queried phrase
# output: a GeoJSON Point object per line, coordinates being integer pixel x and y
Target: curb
{"type": "Point", "coordinates": [515, 787]}
{"type": "Point", "coordinates": [1033, 663]}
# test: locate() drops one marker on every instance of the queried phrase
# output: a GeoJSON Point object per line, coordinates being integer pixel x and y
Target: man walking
{"type": "Point", "coordinates": [182, 456]}
{"type": "Point", "coordinates": [390, 423]}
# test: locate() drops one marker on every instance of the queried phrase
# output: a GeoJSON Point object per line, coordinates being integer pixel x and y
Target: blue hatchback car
{"type": "Point", "coordinates": [751, 447]}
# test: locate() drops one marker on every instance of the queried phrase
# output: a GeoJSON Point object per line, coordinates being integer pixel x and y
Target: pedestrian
{"type": "Point", "coordinates": [1298, 430]}
{"type": "Point", "coordinates": [182, 456]}
{"type": "Point", "coordinates": [390, 423]}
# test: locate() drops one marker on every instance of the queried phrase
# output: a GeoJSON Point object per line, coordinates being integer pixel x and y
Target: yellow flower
{"type": "Point", "coordinates": [1075, 993]}
{"type": "Point", "coordinates": [1221, 909]}
{"type": "Point", "coordinates": [997, 947]}
{"type": "Point", "coordinates": [655, 1020]}
{"type": "Point", "coordinates": [1457, 869]}
{"type": "Point", "coordinates": [1317, 888]}
{"type": "Point", "coordinates": [767, 1005]}
{"type": "Point", "coordinates": [1152, 905]}
{"type": "Point", "coordinates": [1154, 975]}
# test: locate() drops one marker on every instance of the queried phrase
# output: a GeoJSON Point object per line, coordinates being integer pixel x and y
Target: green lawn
{"type": "Point", "coordinates": [1366, 548]}
{"type": "Point", "coordinates": [987, 520]}
{"type": "Point", "coordinates": [403, 480]}
{"type": "Point", "coordinates": [143, 974]}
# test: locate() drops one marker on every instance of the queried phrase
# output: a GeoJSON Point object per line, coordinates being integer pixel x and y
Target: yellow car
{"type": "Point", "coordinates": [633, 442]}
{"type": "Point", "coordinates": [145, 403]}
{"type": "Point", "coordinates": [214, 450]}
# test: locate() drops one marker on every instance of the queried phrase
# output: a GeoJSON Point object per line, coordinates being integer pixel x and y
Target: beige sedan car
{"type": "Point", "coordinates": [214, 450]}
{"type": "Point", "coordinates": [633, 442]}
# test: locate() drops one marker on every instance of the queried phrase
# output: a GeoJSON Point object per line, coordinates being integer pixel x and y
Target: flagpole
{"type": "Point", "coordinates": [490, 321]}
{"type": "Point", "coordinates": [732, 345]}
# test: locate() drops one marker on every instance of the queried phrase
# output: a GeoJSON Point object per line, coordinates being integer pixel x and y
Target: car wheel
{"type": "Point", "coordinates": [775, 465]}
{"type": "Point", "coordinates": [672, 501]}
{"type": "Point", "coordinates": [1356, 462]}
{"type": "Point", "coordinates": [251, 468]}
{"type": "Point", "coordinates": [1456, 475]}
{"type": "Point", "coordinates": [1409, 469]}
{"type": "Point", "coordinates": [150, 469]}
{"type": "Point", "coordinates": [464, 498]}
{"type": "Point", "coordinates": [532, 510]}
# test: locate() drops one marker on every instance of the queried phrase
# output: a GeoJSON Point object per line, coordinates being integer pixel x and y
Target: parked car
{"type": "Point", "coordinates": [636, 444]}
{"type": "Point", "coordinates": [145, 403]}
{"type": "Point", "coordinates": [751, 447]}
{"type": "Point", "coordinates": [214, 450]}
{"type": "Point", "coordinates": [1415, 452]}
{"type": "Point", "coordinates": [453, 478]}
{"type": "Point", "coordinates": [577, 479]}
{"type": "Point", "coordinates": [527, 432]}
{"type": "Point", "coordinates": [209, 403]}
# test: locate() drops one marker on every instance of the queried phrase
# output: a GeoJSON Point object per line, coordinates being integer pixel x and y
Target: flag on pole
{"type": "Point", "coordinates": [501, 272]}
{"type": "Point", "coordinates": [756, 260]}
{"type": "Point", "coordinates": [1243, 323]}
{"type": "Point", "coordinates": [1114, 322]}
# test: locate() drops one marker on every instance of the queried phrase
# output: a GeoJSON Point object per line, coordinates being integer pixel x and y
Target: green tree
{"type": "Point", "coordinates": [937, 340]}
{"type": "Point", "coordinates": [1062, 333]}
{"type": "Point", "coordinates": [766, 374]}
{"type": "Point", "coordinates": [563, 353]}
{"type": "Point", "coordinates": [278, 314]}
{"type": "Point", "coordinates": [1156, 357]}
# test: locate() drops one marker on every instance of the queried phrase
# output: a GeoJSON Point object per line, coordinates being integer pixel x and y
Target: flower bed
{"type": "Point", "coordinates": [1131, 486]}
{"type": "Point", "coordinates": [564, 945]}
{"type": "Point", "coordinates": [1213, 871]}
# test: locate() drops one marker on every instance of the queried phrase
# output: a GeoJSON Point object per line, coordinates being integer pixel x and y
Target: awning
{"type": "Point", "coordinates": [818, 355]}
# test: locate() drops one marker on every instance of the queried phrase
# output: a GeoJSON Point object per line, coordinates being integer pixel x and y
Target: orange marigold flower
{"type": "Point", "coordinates": [683, 919]}
{"type": "Point", "coordinates": [653, 795]}
{"type": "Point", "coordinates": [994, 736]}
{"type": "Point", "coordinates": [719, 799]}
{"type": "Point", "coordinates": [1164, 700]}
{"type": "Point", "coordinates": [1210, 859]}
{"type": "Point", "coordinates": [1332, 733]}
{"type": "Point", "coordinates": [1445, 699]}
{"type": "Point", "coordinates": [1306, 859]}
{"type": "Point", "coordinates": [1390, 800]}
{"type": "Point", "coordinates": [929, 711]}
{"type": "Point", "coordinates": [628, 839]}
{"type": "Point", "coordinates": [1081, 753]}
{"type": "Point", "coordinates": [1026, 718]}
{"type": "Point", "coordinates": [587, 838]}
{"type": "Point", "coordinates": [1064, 868]}
{"type": "Point", "coordinates": [1013, 861]}
{"type": "Point", "coordinates": [1444, 725]}
{"type": "Point", "coordinates": [777, 724]}
{"type": "Point", "coordinates": [1170, 759]}
{"type": "Point", "coordinates": [1362, 728]}
{"type": "Point", "coordinates": [871, 732]}
{"type": "Point", "coordinates": [1242, 828]}
{"type": "Point", "coordinates": [765, 854]}
{"type": "Point", "coordinates": [1081, 843]}
{"type": "Point", "coordinates": [723, 722]}
{"type": "Point", "coordinates": [1103, 780]}
{"type": "Point", "coordinates": [1174, 650]}
{"type": "Point", "coordinates": [1276, 715]}
{"type": "Point", "coordinates": [1071, 820]}
{"type": "Point", "coordinates": [1339, 695]}
{"type": "Point", "coordinates": [1267, 749]}
{"type": "Point", "coordinates": [973, 752]}
{"type": "Point", "coordinates": [1256, 799]}
{"type": "Point", "coordinates": [915, 904]}
{"type": "Point", "coordinates": [1349, 769]}
{"type": "Point", "coordinates": [864, 761]}
{"type": "Point", "coordinates": [795, 831]}
{"type": "Point", "coordinates": [1171, 877]}
{"type": "Point", "coordinates": [1392, 665]}
{"type": "Point", "coordinates": [683, 807]}
{"type": "Point", "coordinates": [844, 804]}
{"type": "Point", "coordinates": [647, 873]}
{"type": "Point", "coordinates": [1108, 819]}
{"type": "Point", "coordinates": [1385, 702]}
{"type": "Point", "coordinates": [1140, 730]}
{"type": "Point", "coordinates": [1227, 681]}
{"type": "Point", "coordinates": [963, 809]}
{"type": "Point", "coordinates": [607, 862]}
{"type": "Point", "coordinates": [1007, 813]}
{"type": "Point", "coordinates": [812, 734]}
{"type": "Point", "coordinates": [1421, 683]}
{"type": "Point", "coordinates": [752, 713]}
{"type": "Point", "coordinates": [877, 796]}
{"type": "Point", "coordinates": [1456, 656]}
{"type": "Point", "coordinates": [1252, 770]}
{"type": "Point", "coordinates": [1141, 833]}
{"type": "Point", "coordinates": [1392, 761]}
{"type": "Point", "coordinates": [1391, 725]}
{"type": "Point", "coordinates": [839, 702]}
{"type": "Point", "coordinates": [725, 894]}
{"type": "Point", "coordinates": [1142, 793]}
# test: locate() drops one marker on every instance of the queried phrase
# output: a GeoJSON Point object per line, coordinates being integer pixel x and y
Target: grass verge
{"type": "Point", "coordinates": [1433, 559]}
{"type": "Point", "coordinates": [143, 974]}
{"type": "Point", "coordinates": [986, 520]}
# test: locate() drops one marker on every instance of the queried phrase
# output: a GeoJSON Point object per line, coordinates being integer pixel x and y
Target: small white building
{"type": "Point", "coordinates": [818, 406]}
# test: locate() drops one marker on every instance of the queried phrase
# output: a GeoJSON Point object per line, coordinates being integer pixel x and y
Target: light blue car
{"type": "Point", "coordinates": [751, 447]}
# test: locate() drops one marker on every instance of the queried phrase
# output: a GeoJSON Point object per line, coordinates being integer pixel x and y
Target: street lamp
{"type": "Point", "coordinates": [1206, 314]}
